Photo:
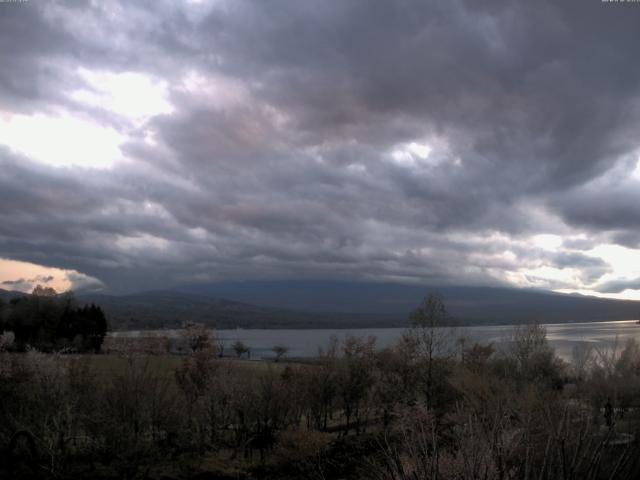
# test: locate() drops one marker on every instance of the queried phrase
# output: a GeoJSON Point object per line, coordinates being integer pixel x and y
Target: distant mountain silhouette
{"type": "Point", "coordinates": [469, 304]}
{"type": "Point", "coordinates": [9, 294]}
{"type": "Point", "coordinates": [172, 309]}
{"type": "Point", "coordinates": [327, 304]}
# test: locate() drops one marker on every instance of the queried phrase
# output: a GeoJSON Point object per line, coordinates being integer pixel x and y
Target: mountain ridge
{"type": "Point", "coordinates": [298, 304]}
{"type": "Point", "coordinates": [496, 304]}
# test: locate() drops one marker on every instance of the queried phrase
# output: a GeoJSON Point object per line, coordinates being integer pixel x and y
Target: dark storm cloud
{"type": "Point", "coordinates": [28, 43]}
{"type": "Point", "coordinates": [43, 279]}
{"type": "Point", "coordinates": [288, 150]}
{"type": "Point", "coordinates": [27, 284]}
{"type": "Point", "coordinates": [591, 268]}
{"type": "Point", "coordinates": [618, 286]}
{"type": "Point", "coordinates": [611, 208]}
{"type": "Point", "coordinates": [519, 88]}
{"type": "Point", "coordinates": [20, 281]}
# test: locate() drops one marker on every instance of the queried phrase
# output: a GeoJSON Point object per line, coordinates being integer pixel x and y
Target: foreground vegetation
{"type": "Point", "coordinates": [431, 407]}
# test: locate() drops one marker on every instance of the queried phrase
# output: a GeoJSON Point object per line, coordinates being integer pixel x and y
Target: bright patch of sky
{"type": "Point", "coordinates": [412, 154]}
{"type": "Point", "coordinates": [24, 276]}
{"type": "Point", "coordinates": [135, 96]}
{"type": "Point", "coordinates": [636, 171]}
{"type": "Point", "coordinates": [547, 241]}
{"type": "Point", "coordinates": [61, 141]}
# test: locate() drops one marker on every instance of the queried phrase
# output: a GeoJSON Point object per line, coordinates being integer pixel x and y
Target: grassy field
{"type": "Point", "coordinates": [165, 365]}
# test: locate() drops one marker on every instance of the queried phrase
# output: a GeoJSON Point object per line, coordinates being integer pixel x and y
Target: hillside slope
{"type": "Point", "coordinates": [469, 304]}
{"type": "Point", "coordinates": [342, 305]}
{"type": "Point", "coordinates": [170, 309]}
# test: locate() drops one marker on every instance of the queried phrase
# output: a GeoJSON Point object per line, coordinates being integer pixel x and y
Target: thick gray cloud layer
{"type": "Point", "coordinates": [295, 144]}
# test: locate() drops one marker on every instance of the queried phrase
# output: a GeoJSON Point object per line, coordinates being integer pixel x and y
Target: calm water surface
{"type": "Point", "coordinates": [305, 343]}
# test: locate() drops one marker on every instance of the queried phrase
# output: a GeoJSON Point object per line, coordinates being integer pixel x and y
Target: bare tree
{"type": "Point", "coordinates": [356, 378]}
{"type": "Point", "coordinates": [240, 348]}
{"type": "Point", "coordinates": [530, 358]}
{"type": "Point", "coordinates": [6, 340]}
{"type": "Point", "coordinates": [279, 351]}
{"type": "Point", "coordinates": [432, 330]}
{"type": "Point", "coordinates": [197, 336]}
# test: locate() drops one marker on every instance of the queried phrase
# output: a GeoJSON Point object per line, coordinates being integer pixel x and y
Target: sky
{"type": "Point", "coordinates": [152, 143]}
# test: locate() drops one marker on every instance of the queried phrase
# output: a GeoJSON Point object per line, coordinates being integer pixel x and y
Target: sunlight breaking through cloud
{"type": "Point", "coordinates": [61, 140]}
{"type": "Point", "coordinates": [25, 276]}
{"type": "Point", "coordinates": [135, 96]}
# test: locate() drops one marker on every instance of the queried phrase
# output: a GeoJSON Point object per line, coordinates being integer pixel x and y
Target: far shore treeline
{"type": "Point", "coordinates": [51, 322]}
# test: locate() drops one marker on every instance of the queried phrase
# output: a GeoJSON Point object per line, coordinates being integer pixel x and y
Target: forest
{"type": "Point", "coordinates": [433, 406]}
{"type": "Point", "coordinates": [50, 322]}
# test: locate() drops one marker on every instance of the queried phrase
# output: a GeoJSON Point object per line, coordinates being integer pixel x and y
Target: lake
{"type": "Point", "coordinates": [305, 343]}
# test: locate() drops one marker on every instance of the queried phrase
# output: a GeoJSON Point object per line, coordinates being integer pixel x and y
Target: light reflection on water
{"type": "Point", "coordinates": [305, 343]}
